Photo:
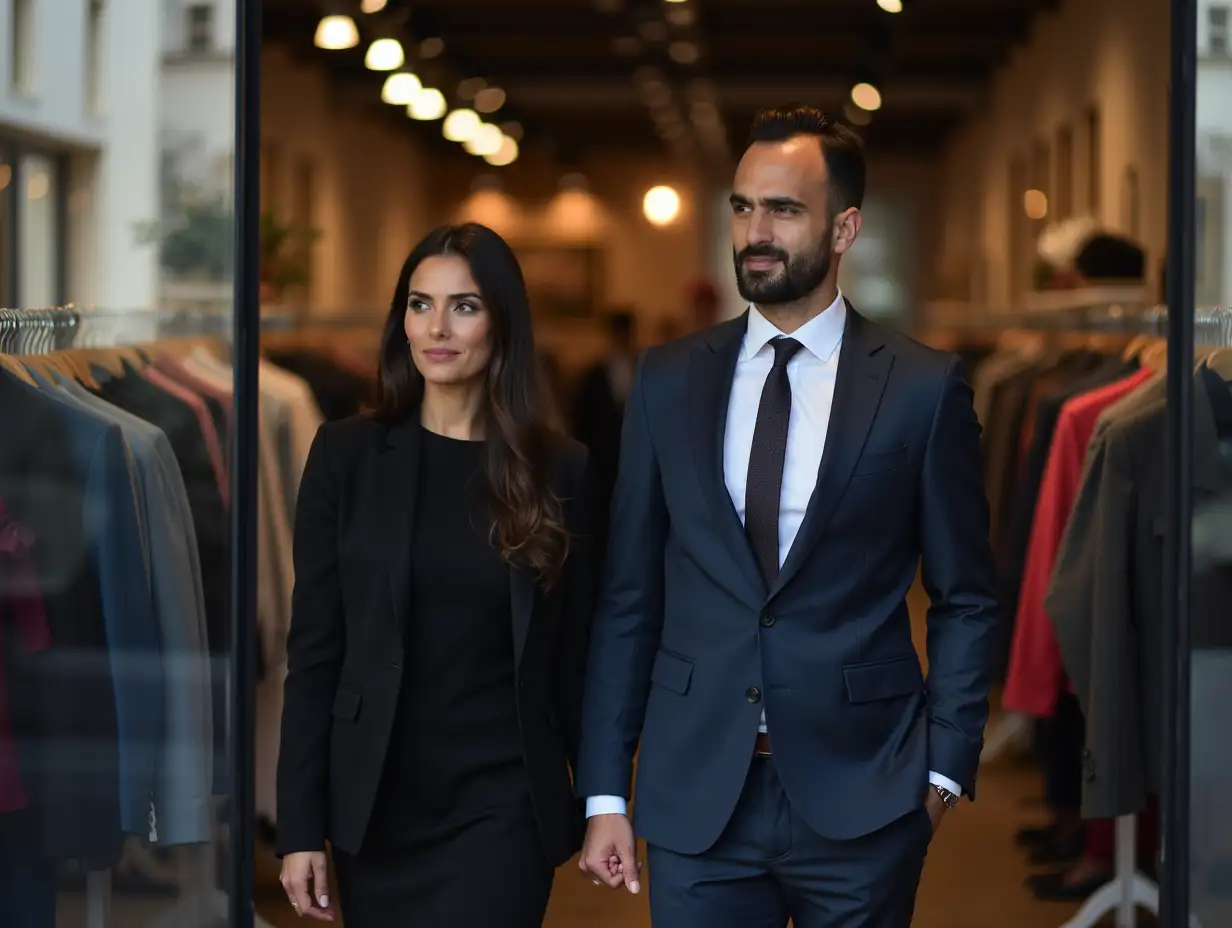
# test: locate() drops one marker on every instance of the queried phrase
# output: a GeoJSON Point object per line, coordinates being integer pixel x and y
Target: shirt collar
{"type": "Point", "coordinates": [820, 336]}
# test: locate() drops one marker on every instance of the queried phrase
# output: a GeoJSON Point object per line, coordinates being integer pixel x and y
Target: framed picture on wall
{"type": "Point", "coordinates": [563, 281]}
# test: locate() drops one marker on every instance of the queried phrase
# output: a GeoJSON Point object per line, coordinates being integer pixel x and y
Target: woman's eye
{"type": "Point", "coordinates": [465, 307]}
{"type": "Point", "coordinates": [417, 306]}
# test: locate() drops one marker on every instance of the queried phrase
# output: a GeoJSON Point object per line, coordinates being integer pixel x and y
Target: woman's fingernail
{"type": "Point", "coordinates": [324, 902]}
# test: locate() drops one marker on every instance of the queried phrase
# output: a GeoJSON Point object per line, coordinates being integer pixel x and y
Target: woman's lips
{"type": "Point", "coordinates": [440, 354]}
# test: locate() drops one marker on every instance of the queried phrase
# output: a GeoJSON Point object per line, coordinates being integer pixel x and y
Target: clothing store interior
{"type": "Point", "coordinates": [203, 216]}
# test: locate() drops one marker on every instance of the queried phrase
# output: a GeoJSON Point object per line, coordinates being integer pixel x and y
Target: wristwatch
{"type": "Point", "coordinates": [947, 798]}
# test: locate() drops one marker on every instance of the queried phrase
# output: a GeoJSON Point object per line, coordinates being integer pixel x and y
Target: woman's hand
{"type": "Point", "coordinates": [306, 884]}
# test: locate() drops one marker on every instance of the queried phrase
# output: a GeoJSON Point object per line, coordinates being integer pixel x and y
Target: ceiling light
{"type": "Point", "coordinates": [485, 141]}
{"type": "Point", "coordinates": [1035, 204]}
{"type": "Point", "coordinates": [489, 100]}
{"type": "Point", "coordinates": [372, 6]}
{"type": "Point", "coordinates": [505, 155]}
{"type": "Point", "coordinates": [661, 205]}
{"type": "Point", "coordinates": [683, 52]}
{"type": "Point", "coordinates": [384, 55]}
{"type": "Point", "coordinates": [401, 88]}
{"type": "Point", "coordinates": [431, 47]}
{"type": "Point", "coordinates": [428, 104]}
{"type": "Point", "coordinates": [460, 125]}
{"type": "Point", "coordinates": [677, 1]}
{"type": "Point", "coordinates": [866, 97]}
{"type": "Point", "coordinates": [335, 33]}
{"type": "Point", "coordinates": [891, 6]}
{"type": "Point", "coordinates": [513, 130]}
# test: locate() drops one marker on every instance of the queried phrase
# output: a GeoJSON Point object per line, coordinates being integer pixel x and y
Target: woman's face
{"type": "Point", "coordinates": [447, 322]}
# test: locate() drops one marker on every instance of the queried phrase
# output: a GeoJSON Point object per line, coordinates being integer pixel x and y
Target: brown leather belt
{"type": "Point", "coordinates": [762, 748]}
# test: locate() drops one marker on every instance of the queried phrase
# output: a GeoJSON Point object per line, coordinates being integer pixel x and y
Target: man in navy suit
{"type": "Point", "coordinates": [782, 477]}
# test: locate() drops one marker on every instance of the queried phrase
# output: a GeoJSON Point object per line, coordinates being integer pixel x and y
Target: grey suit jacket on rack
{"type": "Point", "coordinates": [184, 770]}
{"type": "Point", "coordinates": [1106, 600]}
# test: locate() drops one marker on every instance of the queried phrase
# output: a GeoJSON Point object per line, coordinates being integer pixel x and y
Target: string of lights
{"type": "Point", "coordinates": [408, 84]}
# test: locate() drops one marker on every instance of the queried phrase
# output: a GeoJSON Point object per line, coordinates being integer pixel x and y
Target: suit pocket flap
{"type": "Point", "coordinates": [880, 462]}
{"type": "Point", "coordinates": [346, 704]}
{"type": "Point", "coordinates": [883, 679]}
{"type": "Point", "coordinates": [672, 672]}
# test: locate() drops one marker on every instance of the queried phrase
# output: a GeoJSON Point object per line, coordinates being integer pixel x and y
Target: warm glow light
{"type": "Point", "coordinates": [428, 104]}
{"type": "Point", "coordinates": [661, 205]}
{"type": "Point", "coordinates": [485, 141]}
{"type": "Point", "coordinates": [384, 55]}
{"type": "Point", "coordinates": [866, 97]}
{"type": "Point", "coordinates": [505, 155]}
{"type": "Point", "coordinates": [461, 125]}
{"type": "Point", "coordinates": [891, 6]}
{"type": "Point", "coordinates": [372, 6]}
{"type": "Point", "coordinates": [1035, 204]}
{"type": "Point", "coordinates": [489, 99]}
{"type": "Point", "coordinates": [401, 88]}
{"type": "Point", "coordinates": [336, 32]}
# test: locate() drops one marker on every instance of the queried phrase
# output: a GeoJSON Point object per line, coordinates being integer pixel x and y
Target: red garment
{"type": "Point", "coordinates": [1036, 676]}
{"type": "Point", "coordinates": [21, 598]}
{"type": "Point", "coordinates": [176, 370]}
{"type": "Point", "coordinates": [213, 446]}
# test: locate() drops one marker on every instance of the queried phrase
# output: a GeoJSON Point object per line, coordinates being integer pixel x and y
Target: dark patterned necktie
{"type": "Point", "coordinates": [766, 459]}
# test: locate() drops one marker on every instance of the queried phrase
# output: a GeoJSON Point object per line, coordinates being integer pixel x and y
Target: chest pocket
{"type": "Point", "coordinates": [873, 464]}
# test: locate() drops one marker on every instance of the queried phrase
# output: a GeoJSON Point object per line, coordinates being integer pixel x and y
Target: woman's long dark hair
{"type": "Point", "coordinates": [527, 518]}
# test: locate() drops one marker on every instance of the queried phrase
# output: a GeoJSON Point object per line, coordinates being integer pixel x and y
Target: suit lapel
{"type": "Point", "coordinates": [863, 369]}
{"type": "Point", "coordinates": [712, 367]}
{"type": "Point", "coordinates": [398, 493]}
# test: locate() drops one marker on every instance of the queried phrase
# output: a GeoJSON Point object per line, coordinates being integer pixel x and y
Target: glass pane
{"type": "Point", "coordinates": [39, 231]}
{"type": "Point", "coordinates": [1210, 840]}
{"type": "Point", "coordinates": [116, 704]}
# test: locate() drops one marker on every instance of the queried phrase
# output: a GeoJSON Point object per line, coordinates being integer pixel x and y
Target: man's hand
{"type": "Point", "coordinates": [608, 854]}
{"type": "Point", "coordinates": [935, 808]}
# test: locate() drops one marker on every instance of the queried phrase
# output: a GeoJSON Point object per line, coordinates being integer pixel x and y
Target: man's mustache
{"type": "Point", "coordinates": [761, 251]}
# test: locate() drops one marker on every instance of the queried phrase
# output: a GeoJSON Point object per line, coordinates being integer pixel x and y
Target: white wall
{"type": "Point", "coordinates": [1106, 53]}
{"type": "Point", "coordinates": [113, 149]}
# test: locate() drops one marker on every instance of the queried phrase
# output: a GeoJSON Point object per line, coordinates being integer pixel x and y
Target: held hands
{"type": "Point", "coordinates": [608, 854]}
{"type": "Point", "coordinates": [306, 884]}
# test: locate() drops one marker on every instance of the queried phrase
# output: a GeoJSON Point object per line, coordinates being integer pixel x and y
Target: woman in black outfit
{"type": "Point", "coordinates": [443, 596]}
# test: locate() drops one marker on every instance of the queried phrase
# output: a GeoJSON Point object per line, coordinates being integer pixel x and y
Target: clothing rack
{"type": "Point", "coordinates": [39, 331]}
{"type": "Point", "coordinates": [1129, 888]}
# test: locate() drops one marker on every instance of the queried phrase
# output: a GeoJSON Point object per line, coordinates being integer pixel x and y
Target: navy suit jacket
{"type": "Point", "coordinates": [689, 645]}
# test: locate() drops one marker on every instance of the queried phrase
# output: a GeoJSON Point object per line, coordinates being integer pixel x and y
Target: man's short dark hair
{"type": "Point", "coordinates": [841, 147]}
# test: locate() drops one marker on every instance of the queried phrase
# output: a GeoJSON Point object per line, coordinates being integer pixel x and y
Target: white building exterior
{"type": "Point", "coordinates": [79, 109]}
{"type": "Point", "coordinates": [1213, 260]}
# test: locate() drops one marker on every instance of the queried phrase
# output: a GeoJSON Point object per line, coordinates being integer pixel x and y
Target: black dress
{"type": "Point", "coordinates": [453, 838]}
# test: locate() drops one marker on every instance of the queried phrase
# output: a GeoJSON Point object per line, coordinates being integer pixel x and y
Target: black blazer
{"type": "Point", "coordinates": [353, 525]}
{"type": "Point", "coordinates": [690, 645]}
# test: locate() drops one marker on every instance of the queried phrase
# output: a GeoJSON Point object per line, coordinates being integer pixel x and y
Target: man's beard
{"type": "Point", "coordinates": [797, 276]}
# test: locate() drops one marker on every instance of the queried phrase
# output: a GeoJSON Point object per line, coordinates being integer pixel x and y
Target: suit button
{"type": "Point", "coordinates": [753, 694]}
{"type": "Point", "coordinates": [394, 665]}
{"type": "Point", "coordinates": [767, 620]}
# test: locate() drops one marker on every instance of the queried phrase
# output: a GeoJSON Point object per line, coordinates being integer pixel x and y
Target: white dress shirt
{"type": "Point", "coordinates": [811, 372]}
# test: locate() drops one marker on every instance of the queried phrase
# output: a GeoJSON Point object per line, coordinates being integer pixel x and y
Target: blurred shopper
{"type": "Point", "coordinates": [599, 408]}
{"type": "Point", "coordinates": [442, 603]}
{"type": "Point", "coordinates": [753, 631]}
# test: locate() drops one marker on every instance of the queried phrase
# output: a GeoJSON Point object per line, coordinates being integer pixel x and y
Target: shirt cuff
{"type": "Point", "coordinates": [606, 805]}
{"type": "Point", "coordinates": [937, 779]}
